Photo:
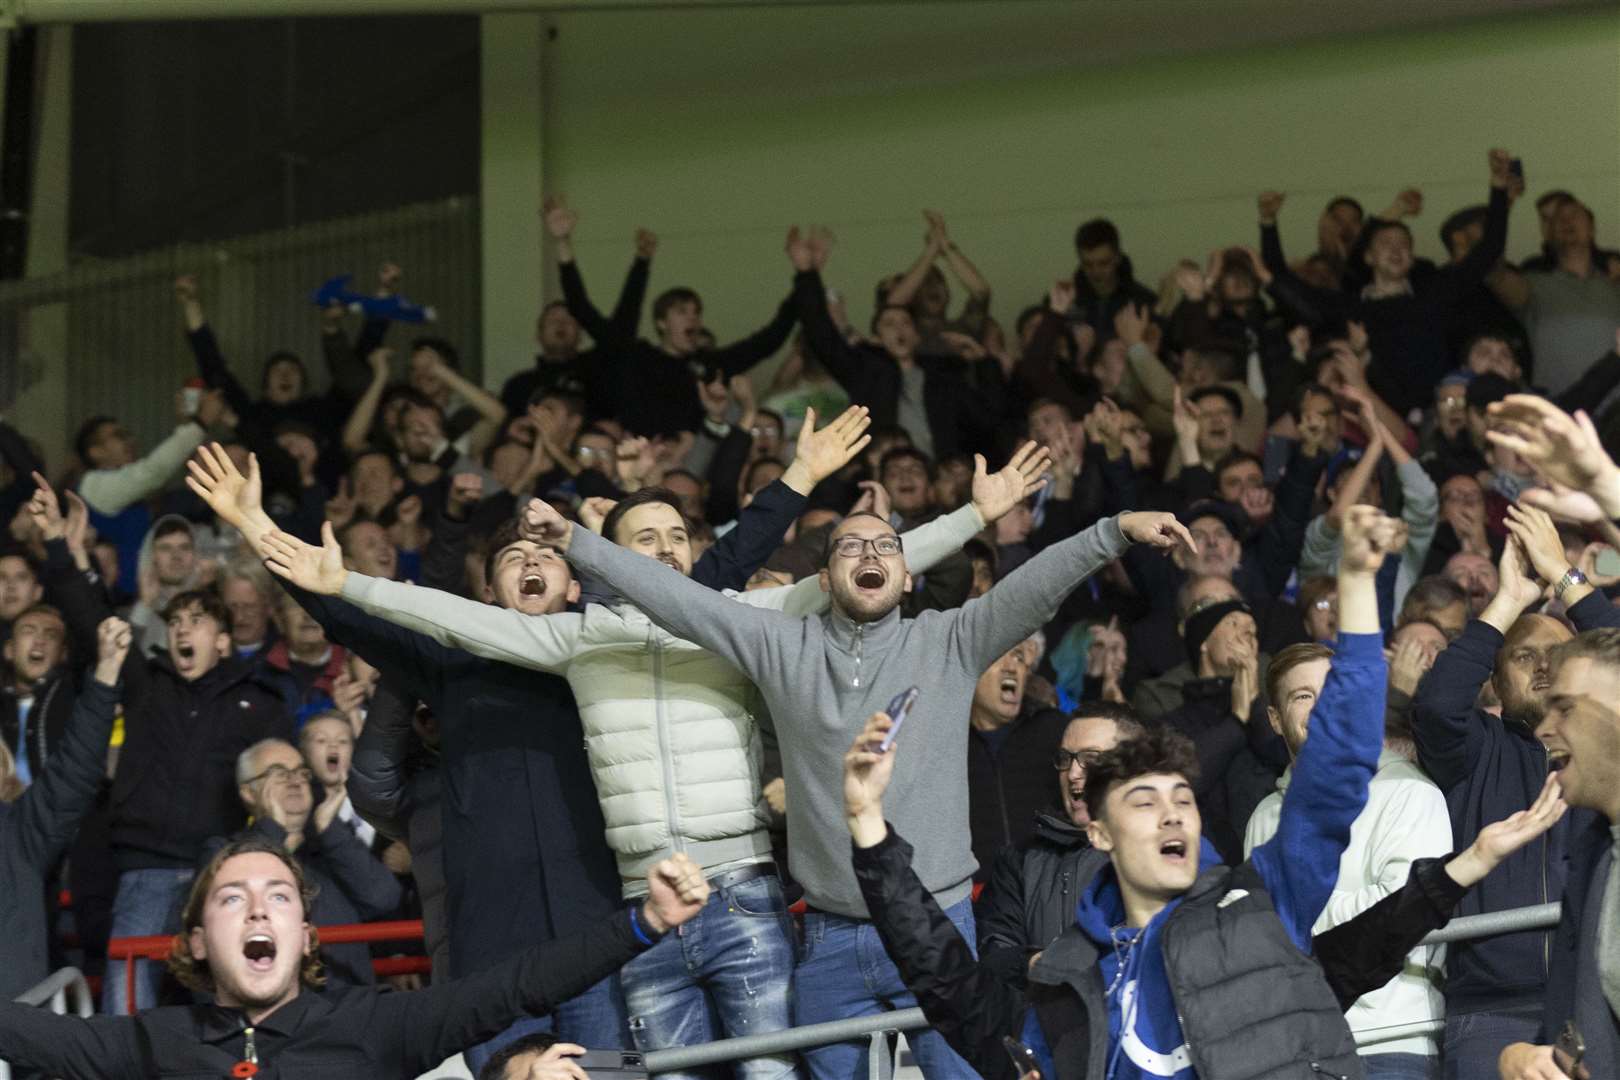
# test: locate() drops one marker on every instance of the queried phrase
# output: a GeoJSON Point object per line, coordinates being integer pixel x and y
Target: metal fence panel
{"type": "Point", "coordinates": [126, 353]}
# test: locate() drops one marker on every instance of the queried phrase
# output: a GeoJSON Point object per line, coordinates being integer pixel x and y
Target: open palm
{"type": "Point", "coordinates": [996, 493]}
{"type": "Point", "coordinates": [235, 498]}
{"type": "Point", "coordinates": [826, 451]}
{"type": "Point", "coordinates": [314, 569]}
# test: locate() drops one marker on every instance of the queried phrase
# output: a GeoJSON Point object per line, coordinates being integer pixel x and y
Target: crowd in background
{"type": "Point", "coordinates": [508, 747]}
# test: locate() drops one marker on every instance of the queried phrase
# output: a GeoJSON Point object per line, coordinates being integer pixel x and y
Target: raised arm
{"type": "Point", "coordinates": [1444, 726]}
{"type": "Point", "coordinates": [370, 886]}
{"type": "Point", "coordinates": [1300, 864]}
{"type": "Point", "coordinates": [48, 813]}
{"type": "Point", "coordinates": [821, 334]}
{"type": "Point", "coordinates": [541, 642]}
{"type": "Point", "coordinates": [763, 523]}
{"type": "Point", "coordinates": [357, 429]}
{"type": "Point", "coordinates": [1030, 596]}
{"type": "Point", "coordinates": [560, 221]}
{"type": "Point", "coordinates": [377, 784]}
{"type": "Point", "coordinates": [962, 997]}
{"type": "Point", "coordinates": [87, 1048]}
{"type": "Point", "coordinates": [1362, 954]}
{"type": "Point", "coordinates": [904, 289]}
{"type": "Point", "coordinates": [491, 413]}
{"type": "Point", "coordinates": [205, 347]}
{"type": "Point", "coordinates": [626, 317]}
{"type": "Point", "coordinates": [109, 491]}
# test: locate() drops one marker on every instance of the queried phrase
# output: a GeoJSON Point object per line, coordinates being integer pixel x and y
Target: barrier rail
{"type": "Point", "coordinates": [55, 990]}
{"type": "Point", "coordinates": [156, 947]}
{"type": "Point", "coordinates": [880, 1028]}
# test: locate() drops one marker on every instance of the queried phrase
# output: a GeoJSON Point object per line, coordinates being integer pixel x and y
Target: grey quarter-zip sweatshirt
{"type": "Point", "coordinates": [823, 675]}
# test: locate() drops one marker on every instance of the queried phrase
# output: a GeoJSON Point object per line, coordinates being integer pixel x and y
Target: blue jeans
{"type": "Point", "coordinates": [845, 972]}
{"type": "Point", "coordinates": [594, 1020]}
{"type": "Point", "coordinates": [1475, 1040]}
{"type": "Point", "coordinates": [724, 973]}
{"type": "Point", "coordinates": [1399, 1066]}
{"type": "Point", "coordinates": [147, 902]}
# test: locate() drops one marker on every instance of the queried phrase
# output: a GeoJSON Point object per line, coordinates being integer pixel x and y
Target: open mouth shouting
{"type": "Point", "coordinates": [1557, 760]}
{"type": "Point", "coordinates": [1174, 850]}
{"type": "Point", "coordinates": [260, 952]}
{"type": "Point", "coordinates": [1008, 688]}
{"type": "Point", "coordinates": [871, 578]}
{"type": "Point", "coordinates": [532, 585]}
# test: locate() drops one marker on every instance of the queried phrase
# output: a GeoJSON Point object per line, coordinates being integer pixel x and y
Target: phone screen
{"type": "Point", "coordinates": [897, 710]}
{"type": "Point", "coordinates": [1023, 1058]}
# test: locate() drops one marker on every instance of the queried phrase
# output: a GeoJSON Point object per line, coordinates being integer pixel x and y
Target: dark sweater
{"type": "Point", "coordinates": [1490, 767]}
{"type": "Point", "coordinates": [1406, 333]}
{"type": "Point", "coordinates": [37, 828]}
{"type": "Point", "coordinates": [355, 1032]}
{"type": "Point", "coordinates": [1009, 776]}
{"type": "Point", "coordinates": [655, 391]}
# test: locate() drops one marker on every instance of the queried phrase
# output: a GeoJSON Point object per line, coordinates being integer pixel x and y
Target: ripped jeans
{"type": "Point", "coordinates": [725, 973]}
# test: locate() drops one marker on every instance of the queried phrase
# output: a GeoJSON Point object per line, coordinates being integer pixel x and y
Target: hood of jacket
{"type": "Point", "coordinates": [143, 561]}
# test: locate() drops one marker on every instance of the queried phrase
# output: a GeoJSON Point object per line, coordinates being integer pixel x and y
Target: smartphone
{"type": "Point", "coordinates": [626, 1063]}
{"type": "Point", "coordinates": [1023, 1058]}
{"type": "Point", "coordinates": [1516, 168]}
{"type": "Point", "coordinates": [897, 710]}
{"type": "Point", "coordinates": [191, 394]}
{"type": "Point", "coordinates": [1570, 1049]}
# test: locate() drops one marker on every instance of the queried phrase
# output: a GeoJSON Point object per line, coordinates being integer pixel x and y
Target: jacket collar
{"type": "Point", "coordinates": [217, 1023]}
{"type": "Point", "coordinates": [1060, 831]}
{"type": "Point", "coordinates": [844, 631]}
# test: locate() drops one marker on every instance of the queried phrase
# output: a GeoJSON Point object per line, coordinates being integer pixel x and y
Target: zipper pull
{"type": "Point", "coordinates": [250, 1053]}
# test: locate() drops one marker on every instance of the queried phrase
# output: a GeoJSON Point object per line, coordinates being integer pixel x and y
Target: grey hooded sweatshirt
{"type": "Point", "coordinates": [823, 675]}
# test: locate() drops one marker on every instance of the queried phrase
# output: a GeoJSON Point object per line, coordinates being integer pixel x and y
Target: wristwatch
{"type": "Point", "coordinates": [1572, 576]}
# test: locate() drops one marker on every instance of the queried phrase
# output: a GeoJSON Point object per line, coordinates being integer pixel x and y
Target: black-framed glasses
{"type": "Point", "coordinates": [1065, 758]}
{"type": "Point", "coordinates": [281, 774]}
{"type": "Point", "coordinates": [852, 547]}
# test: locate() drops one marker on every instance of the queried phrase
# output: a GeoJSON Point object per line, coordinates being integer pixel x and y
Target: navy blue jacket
{"type": "Point", "coordinates": [1573, 989]}
{"type": "Point", "coordinates": [525, 857]}
{"type": "Point", "coordinates": [1490, 768]}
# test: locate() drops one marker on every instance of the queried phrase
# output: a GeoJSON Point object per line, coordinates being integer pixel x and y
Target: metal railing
{"type": "Point", "coordinates": [56, 992]}
{"type": "Point", "coordinates": [879, 1029]}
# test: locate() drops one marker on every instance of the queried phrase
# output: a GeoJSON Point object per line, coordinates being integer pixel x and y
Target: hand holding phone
{"type": "Point", "coordinates": [1023, 1058]}
{"type": "Point", "coordinates": [897, 710]}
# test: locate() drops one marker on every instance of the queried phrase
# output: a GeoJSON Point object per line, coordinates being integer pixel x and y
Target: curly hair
{"type": "Point", "coordinates": [1158, 751]}
{"type": "Point", "coordinates": [194, 974]}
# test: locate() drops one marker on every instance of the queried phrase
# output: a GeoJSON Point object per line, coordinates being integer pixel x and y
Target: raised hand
{"type": "Point", "coordinates": [594, 511]}
{"type": "Point", "coordinates": [1565, 451]}
{"type": "Point", "coordinates": [541, 524]}
{"type": "Point", "coordinates": [867, 771]}
{"type": "Point", "coordinates": [339, 508]}
{"type": "Point", "coordinates": [77, 527]}
{"type": "Point", "coordinates": [798, 251]}
{"type": "Point", "coordinates": [212, 409]}
{"type": "Point", "coordinates": [821, 245]}
{"type": "Point", "coordinates": [236, 499]}
{"type": "Point", "coordinates": [559, 219]}
{"type": "Point", "coordinates": [1131, 323]}
{"type": "Point", "coordinates": [646, 243]}
{"type": "Point", "coordinates": [112, 647]}
{"type": "Point", "coordinates": [676, 891]}
{"type": "Point", "coordinates": [1157, 529]}
{"type": "Point", "coordinates": [1501, 165]}
{"type": "Point", "coordinates": [1184, 418]}
{"type": "Point", "coordinates": [318, 570]}
{"type": "Point", "coordinates": [556, 1064]}
{"type": "Point", "coordinates": [185, 289]}
{"type": "Point", "coordinates": [389, 275]}
{"type": "Point", "coordinates": [1539, 540]}
{"type": "Point", "coordinates": [822, 453]}
{"type": "Point", "coordinates": [874, 500]}
{"type": "Point", "coordinates": [44, 510]}
{"type": "Point", "coordinates": [996, 494]}
{"type": "Point", "coordinates": [1191, 281]}
{"type": "Point", "coordinates": [1060, 297]}
{"type": "Point", "coordinates": [1245, 683]}
{"type": "Point", "coordinates": [1269, 204]}
{"type": "Point", "coordinates": [1103, 425]}
{"type": "Point", "coordinates": [1407, 665]}
{"type": "Point", "coordinates": [1257, 264]}
{"type": "Point", "coordinates": [1408, 202]}
{"type": "Point", "coordinates": [1516, 587]}
{"type": "Point", "coordinates": [1368, 535]}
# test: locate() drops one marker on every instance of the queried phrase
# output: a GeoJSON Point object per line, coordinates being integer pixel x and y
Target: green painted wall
{"type": "Point", "coordinates": [717, 128]}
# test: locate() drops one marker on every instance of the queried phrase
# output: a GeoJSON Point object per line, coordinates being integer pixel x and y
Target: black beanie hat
{"type": "Point", "coordinates": [1202, 623]}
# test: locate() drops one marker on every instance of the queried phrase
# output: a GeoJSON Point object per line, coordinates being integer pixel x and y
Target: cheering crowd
{"type": "Point", "coordinates": [1259, 622]}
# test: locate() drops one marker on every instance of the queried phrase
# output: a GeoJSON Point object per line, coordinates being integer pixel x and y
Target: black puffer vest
{"type": "Point", "coordinates": [1252, 1006]}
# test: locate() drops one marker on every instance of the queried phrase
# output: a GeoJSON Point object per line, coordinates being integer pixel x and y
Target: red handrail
{"type": "Point", "coordinates": [156, 947]}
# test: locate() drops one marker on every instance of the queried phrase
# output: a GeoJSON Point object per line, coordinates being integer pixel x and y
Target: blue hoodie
{"type": "Point", "coordinates": [1299, 866]}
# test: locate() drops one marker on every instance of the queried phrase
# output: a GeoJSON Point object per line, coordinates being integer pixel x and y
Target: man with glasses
{"type": "Point", "coordinates": [1034, 887]}
{"type": "Point", "coordinates": [816, 672]}
{"type": "Point", "coordinates": [353, 886]}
